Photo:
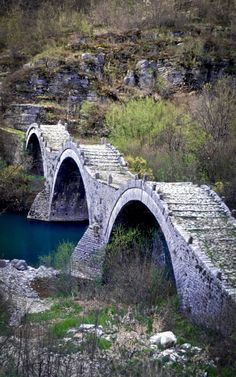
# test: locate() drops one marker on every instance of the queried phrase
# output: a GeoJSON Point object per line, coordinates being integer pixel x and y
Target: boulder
{"type": "Point", "coordinates": [4, 263]}
{"type": "Point", "coordinates": [164, 339]}
{"type": "Point", "coordinates": [90, 328]}
{"type": "Point", "coordinates": [19, 264]}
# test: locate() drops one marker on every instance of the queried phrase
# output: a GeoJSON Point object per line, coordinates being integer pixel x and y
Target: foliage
{"type": "Point", "coordinates": [63, 309]}
{"type": "Point", "coordinates": [91, 119]}
{"type": "Point", "coordinates": [129, 271]}
{"type": "Point", "coordinates": [59, 259]}
{"type": "Point", "coordinates": [160, 133]}
{"type": "Point", "coordinates": [64, 284]}
{"type": "Point", "coordinates": [29, 30]}
{"type": "Point", "coordinates": [199, 146]}
{"type": "Point", "coordinates": [17, 187]}
{"type": "Point", "coordinates": [215, 112]}
{"type": "Point", "coordinates": [97, 317]}
{"type": "Point", "coordinates": [140, 166]}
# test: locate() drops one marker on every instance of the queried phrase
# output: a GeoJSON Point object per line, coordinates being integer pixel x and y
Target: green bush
{"type": "Point", "coordinates": [59, 259]}
{"type": "Point", "coordinates": [159, 133]}
{"type": "Point", "coordinates": [17, 188]}
{"type": "Point", "coordinates": [129, 270]}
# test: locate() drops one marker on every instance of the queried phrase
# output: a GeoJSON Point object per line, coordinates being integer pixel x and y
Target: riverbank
{"type": "Point", "coordinates": [90, 333]}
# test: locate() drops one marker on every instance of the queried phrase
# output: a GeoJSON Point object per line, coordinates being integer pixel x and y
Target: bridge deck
{"type": "Point", "coordinates": [107, 161]}
{"type": "Point", "coordinates": [54, 135]}
{"type": "Point", "coordinates": [200, 212]}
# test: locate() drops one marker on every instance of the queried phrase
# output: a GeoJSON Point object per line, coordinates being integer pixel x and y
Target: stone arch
{"type": "Point", "coordinates": [34, 147]}
{"type": "Point", "coordinates": [69, 199]}
{"type": "Point", "coordinates": [136, 203]}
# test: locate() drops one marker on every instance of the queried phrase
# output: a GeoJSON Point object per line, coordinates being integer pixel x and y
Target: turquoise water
{"type": "Point", "coordinates": [26, 239]}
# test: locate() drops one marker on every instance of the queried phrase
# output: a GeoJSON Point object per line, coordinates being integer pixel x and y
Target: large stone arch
{"type": "Point", "coordinates": [154, 204]}
{"type": "Point", "coordinates": [69, 199]}
{"type": "Point", "coordinates": [135, 194]}
{"type": "Point", "coordinates": [35, 147]}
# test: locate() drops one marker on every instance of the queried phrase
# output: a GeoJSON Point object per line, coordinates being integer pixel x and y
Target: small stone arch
{"type": "Point", "coordinates": [35, 149]}
{"type": "Point", "coordinates": [69, 199]}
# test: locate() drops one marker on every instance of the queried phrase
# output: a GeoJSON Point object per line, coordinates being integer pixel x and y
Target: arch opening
{"type": "Point", "coordinates": [35, 153]}
{"type": "Point", "coordinates": [69, 202]}
{"type": "Point", "coordinates": [137, 230]}
{"type": "Point", "coordinates": [136, 215]}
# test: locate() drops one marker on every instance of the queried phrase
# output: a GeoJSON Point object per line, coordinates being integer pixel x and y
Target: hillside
{"type": "Point", "coordinates": [83, 68]}
{"type": "Point", "coordinates": [157, 78]}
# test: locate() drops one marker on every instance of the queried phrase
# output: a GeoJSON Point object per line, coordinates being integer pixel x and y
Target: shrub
{"type": "Point", "coordinates": [91, 119]}
{"type": "Point", "coordinates": [29, 29]}
{"type": "Point", "coordinates": [59, 259]}
{"type": "Point", "coordinates": [17, 188]}
{"type": "Point", "coordinates": [140, 166]}
{"type": "Point", "coordinates": [216, 115]}
{"type": "Point", "coordinates": [129, 271]}
{"type": "Point", "coordinates": [64, 284]}
{"type": "Point", "coordinates": [159, 133]}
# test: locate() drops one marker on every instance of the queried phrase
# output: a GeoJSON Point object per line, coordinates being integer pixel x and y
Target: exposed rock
{"type": "Point", "coordinates": [170, 355]}
{"type": "Point", "coordinates": [20, 116]}
{"type": "Point", "coordinates": [146, 71]}
{"type": "Point", "coordinates": [16, 289]}
{"type": "Point", "coordinates": [164, 339]}
{"type": "Point", "coordinates": [91, 328]}
{"type": "Point", "coordinates": [130, 78]}
{"type": "Point", "coordinates": [176, 77]}
{"type": "Point", "coordinates": [19, 264]}
{"type": "Point", "coordinates": [4, 263]}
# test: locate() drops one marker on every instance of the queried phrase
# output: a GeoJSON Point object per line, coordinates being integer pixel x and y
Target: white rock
{"type": "Point", "coordinates": [169, 355]}
{"type": "Point", "coordinates": [186, 346]}
{"type": "Point", "coordinates": [90, 328]}
{"type": "Point", "coordinates": [164, 339]}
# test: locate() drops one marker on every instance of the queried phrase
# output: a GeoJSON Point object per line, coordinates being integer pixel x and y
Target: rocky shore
{"type": "Point", "coordinates": [16, 279]}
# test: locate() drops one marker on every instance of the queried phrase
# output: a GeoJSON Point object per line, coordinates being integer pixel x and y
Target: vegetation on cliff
{"type": "Point", "coordinates": [180, 124]}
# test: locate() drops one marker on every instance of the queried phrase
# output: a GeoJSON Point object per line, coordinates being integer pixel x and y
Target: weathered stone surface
{"type": "Point", "coordinates": [164, 339]}
{"type": "Point", "coordinates": [16, 289]}
{"type": "Point", "coordinates": [146, 71]}
{"type": "Point", "coordinates": [90, 328]}
{"type": "Point", "coordinates": [130, 78]}
{"type": "Point", "coordinates": [150, 74]}
{"type": "Point", "coordinates": [19, 116]}
{"type": "Point", "coordinates": [4, 263]}
{"type": "Point", "coordinates": [11, 145]}
{"type": "Point", "coordinates": [19, 264]}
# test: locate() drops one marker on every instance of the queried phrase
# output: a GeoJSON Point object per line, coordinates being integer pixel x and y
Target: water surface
{"type": "Point", "coordinates": [26, 239]}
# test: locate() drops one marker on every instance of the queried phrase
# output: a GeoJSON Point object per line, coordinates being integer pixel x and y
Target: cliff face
{"type": "Point", "coordinates": [77, 83]}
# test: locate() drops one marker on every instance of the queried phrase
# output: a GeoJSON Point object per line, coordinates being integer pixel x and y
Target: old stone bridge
{"type": "Point", "coordinates": [92, 182]}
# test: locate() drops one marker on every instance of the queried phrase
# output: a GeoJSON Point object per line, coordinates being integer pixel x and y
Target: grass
{"type": "Point", "coordinates": [63, 309]}
{"type": "Point", "coordinates": [13, 131]}
{"type": "Point", "coordinates": [67, 314]}
{"type": "Point", "coordinates": [99, 317]}
{"type": "Point", "coordinates": [101, 343]}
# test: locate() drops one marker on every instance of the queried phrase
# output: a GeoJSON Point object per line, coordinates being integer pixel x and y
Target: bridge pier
{"type": "Point", "coordinates": [88, 255]}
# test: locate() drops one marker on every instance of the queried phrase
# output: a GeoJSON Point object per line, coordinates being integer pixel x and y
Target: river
{"type": "Point", "coordinates": [26, 239]}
